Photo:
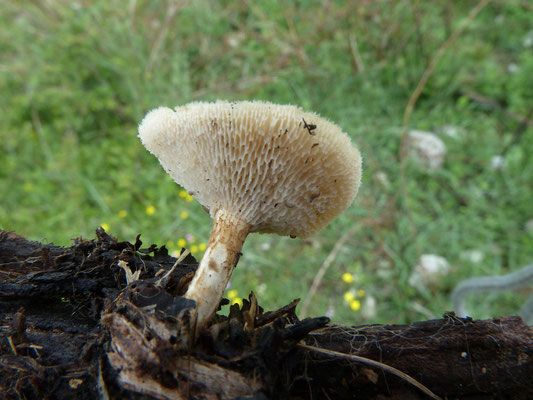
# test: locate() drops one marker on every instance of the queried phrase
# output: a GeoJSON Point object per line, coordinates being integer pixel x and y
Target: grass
{"type": "Point", "coordinates": [77, 77]}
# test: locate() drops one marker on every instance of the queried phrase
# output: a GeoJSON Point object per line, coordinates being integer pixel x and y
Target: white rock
{"type": "Point", "coordinates": [426, 148]}
{"type": "Point", "coordinates": [266, 245]}
{"type": "Point", "coordinates": [474, 256]}
{"type": "Point", "coordinates": [497, 162]}
{"type": "Point", "coordinates": [330, 312]}
{"type": "Point", "coordinates": [261, 289]}
{"type": "Point", "coordinates": [370, 307]}
{"type": "Point", "coordinates": [528, 39]}
{"type": "Point", "coordinates": [451, 131]}
{"type": "Point", "coordinates": [234, 40]}
{"type": "Point", "coordinates": [383, 178]}
{"type": "Point", "coordinates": [512, 68]}
{"type": "Point", "coordinates": [430, 269]}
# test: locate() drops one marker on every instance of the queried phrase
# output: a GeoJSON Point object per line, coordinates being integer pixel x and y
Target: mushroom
{"type": "Point", "coordinates": [255, 167]}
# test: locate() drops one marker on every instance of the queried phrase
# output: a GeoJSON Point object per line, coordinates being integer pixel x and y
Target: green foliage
{"type": "Point", "coordinates": [77, 77]}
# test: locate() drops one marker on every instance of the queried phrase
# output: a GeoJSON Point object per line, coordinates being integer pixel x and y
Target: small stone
{"type": "Point", "coordinates": [426, 148]}
{"type": "Point", "coordinates": [266, 245]}
{"type": "Point", "coordinates": [451, 131]}
{"type": "Point", "coordinates": [430, 269]}
{"type": "Point", "coordinates": [529, 226]}
{"type": "Point", "coordinates": [497, 162]}
{"type": "Point", "coordinates": [370, 308]}
{"type": "Point", "coordinates": [382, 178]}
{"type": "Point", "coordinates": [474, 256]}
{"type": "Point", "coordinates": [528, 39]}
{"type": "Point", "coordinates": [512, 68]}
{"type": "Point", "coordinates": [261, 289]}
{"type": "Point", "coordinates": [330, 312]}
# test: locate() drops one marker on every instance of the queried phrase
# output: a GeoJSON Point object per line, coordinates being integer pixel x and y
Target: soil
{"type": "Point", "coordinates": [71, 327]}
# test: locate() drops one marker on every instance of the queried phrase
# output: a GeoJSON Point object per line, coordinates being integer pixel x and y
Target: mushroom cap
{"type": "Point", "coordinates": [280, 169]}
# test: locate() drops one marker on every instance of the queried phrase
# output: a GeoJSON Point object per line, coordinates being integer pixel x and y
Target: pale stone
{"type": "Point", "coordinates": [429, 270]}
{"type": "Point", "coordinates": [426, 148]}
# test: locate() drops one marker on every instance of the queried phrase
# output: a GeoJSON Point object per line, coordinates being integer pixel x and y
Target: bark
{"type": "Point", "coordinates": [71, 327]}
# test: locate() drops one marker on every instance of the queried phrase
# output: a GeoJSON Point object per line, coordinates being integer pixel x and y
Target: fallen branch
{"type": "Point", "coordinates": [71, 327]}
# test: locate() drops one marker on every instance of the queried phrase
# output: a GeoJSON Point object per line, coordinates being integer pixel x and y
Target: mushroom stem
{"type": "Point", "coordinates": [219, 260]}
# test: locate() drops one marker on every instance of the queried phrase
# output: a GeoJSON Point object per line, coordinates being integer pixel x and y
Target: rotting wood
{"type": "Point", "coordinates": [71, 328]}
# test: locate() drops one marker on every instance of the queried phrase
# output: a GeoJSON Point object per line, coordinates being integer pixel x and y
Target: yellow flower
{"type": "Point", "coordinates": [347, 277]}
{"type": "Point", "coordinates": [183, 194]}
{"type": "Point", "coordinates": [150, 210]}
{"type": "Point", "coordinates": [237, 301]}
{"type": "Point", "coordinates": [202, 246]}
{"type": "Point", "coordinates": [349, 296]}
{"type": "Point", "coordinates": [355, 305]}
{"type": "Point", "coordinates": [189, 198]}
{"type": "Point", "coordinates": [175, 254]}
{"type": "Point", "coordinates": [181, 243]}
{"type": "Point", "coordinates": [232, 294]}
{"type": "Point", "coordinates": [194, 249]}
{"type": "Point", "coordinates": [105, 227]}
{"type": "Point", "coordinates": [184, 214]}
{"type": "Point", "coordinates": [122, 213]}
{"type": "Point", "coordinates": [170, 244]}
{"type": "Point", "coordinates": [361, 293]}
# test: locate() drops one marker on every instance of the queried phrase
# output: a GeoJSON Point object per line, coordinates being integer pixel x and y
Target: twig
{"type": "Point", "coordinates": [295, 39]}
{"type": "Point", "coordinates": [357, 60]}
{"type": "Point", "coordinates": [162, 282]}
{"type": "Point", "coordinates": [171, 11]}
{"type": "Point", "coordinates": [13, 348]}
{"type": "Point", "coordinates": [325, 266]}
{"type": "Point", "coordinates": [436, 58]}
{"type": "Point", "coordinates": [373, 363]}
{"type": "Point", "coordinates": [418, 91]}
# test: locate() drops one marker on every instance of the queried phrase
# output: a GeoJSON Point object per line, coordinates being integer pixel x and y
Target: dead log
{"type": "Point", "coordinates": [71, 327]}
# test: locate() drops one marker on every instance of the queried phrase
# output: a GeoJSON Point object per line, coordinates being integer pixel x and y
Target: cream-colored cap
{"type": "Point", "coordinates": [276, 167]}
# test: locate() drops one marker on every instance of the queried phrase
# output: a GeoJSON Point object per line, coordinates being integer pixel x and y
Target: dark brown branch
{"type": "Point", "coordinates": [70, 328]}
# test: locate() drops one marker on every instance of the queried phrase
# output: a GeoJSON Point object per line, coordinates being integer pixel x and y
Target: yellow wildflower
{"type": "Point", "coordinates": [170, 244]}
{"type": "Point", "coordinates": [237, 301]}
{"type": "Point", "coordinates": [202, 246]}
{"type": "Point", "coordinates": [150, 210]}
{"type": "Point", "coordinates": [194, 249]}
{"type": "Point", "coordinates": [181, 243]}
{"type": "Point", "coordinates": [189, 198]}
{"type": "Point", "coordinates": [232, 294]}
{"type": "Point", "coordinates": [347, 277]}
{"type": "Point", "coordinates": [184, 214]}
{"type": "Point", "coordinates": [355, 305]}
{"type": "Point", "coordinates": [361, 293]}
{"type": "Point", "coordinates": [105, 227]}
{"type": "Point", "coordinates": [348, 297]}
{"type": "Point", "coordinates": [122, 213]}
{"type": "Point", "coordinates": [183, 193]}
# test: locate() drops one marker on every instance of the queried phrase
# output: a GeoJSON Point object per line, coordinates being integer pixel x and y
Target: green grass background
{"type": "Point", "coordinates": [76, 78]}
